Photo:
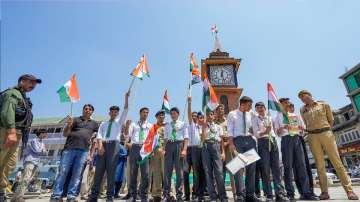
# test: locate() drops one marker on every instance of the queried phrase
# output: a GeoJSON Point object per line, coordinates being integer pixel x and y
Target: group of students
{"type": "Point", "coordinates": [204, 145]}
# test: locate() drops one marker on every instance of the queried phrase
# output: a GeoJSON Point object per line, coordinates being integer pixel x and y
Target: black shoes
{"type": "Point", "coordinates": [126, 197]}
{"type": "Point", "coordinates": [309, 197]}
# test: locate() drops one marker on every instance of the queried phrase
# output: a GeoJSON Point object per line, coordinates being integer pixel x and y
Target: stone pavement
{"type": "Point", "coordinates": [337, 194]}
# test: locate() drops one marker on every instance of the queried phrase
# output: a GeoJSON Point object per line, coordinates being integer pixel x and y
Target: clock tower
{"type": "Point", "coordinates": [222, 73]}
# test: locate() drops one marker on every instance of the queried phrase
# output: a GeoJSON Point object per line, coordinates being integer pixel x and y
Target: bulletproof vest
{"type": "Point", "coordinates": [23, 113]}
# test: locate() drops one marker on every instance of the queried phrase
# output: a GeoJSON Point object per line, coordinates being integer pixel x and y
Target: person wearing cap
{"type": "Point", "coordinates": [240, 141]}
{"type": "Point", "coordinates": [288, 126]}
{"type": "Point", "coordinates": [195, 146]}
{"type": "Point", "coordinates": [108, 138]}
{"type": "Point", "coordinates": [157, 160]}
{"type": "Point", "coordinates": [319, 120]}
{"type": "Point", "coordinates": [32, 154]}
{"type": "Point", "coordinates": [176, 140]}
{"type": "Point", "coordinates": [138, 132]}
{"type": "Point", "coordinates": [226, 154]}
{"type": "Point", "coordinates": [15, 122]}
{"type": "Point", "coordinates": [212, 134]}
{"type": "Point", "coordinates": [268, 152]}
{"type": "Point", "coordinates": [78, 132]}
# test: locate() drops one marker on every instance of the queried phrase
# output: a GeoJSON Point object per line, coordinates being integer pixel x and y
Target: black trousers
{"type": "Point", "coordinates": [106, 162]}
{"type": "Point", "coordinates": [188, 166]}
{"type": "Point", "coordinates": [199, 183]}
{"type": "Point", "coordinates": [257, 178]}
{"type": "Point", "coordinates": [293, 157]}
{"type": "Point", "coordinates": [308, 169]}
{"type": "Point", "coordinates": [135, 157]}
{"type": "Point", "coordinates": [213, 165]}
{"type": "Point", "coordinates": [269, 154]}
{"type": "Point", "coordinates": [243, 144]}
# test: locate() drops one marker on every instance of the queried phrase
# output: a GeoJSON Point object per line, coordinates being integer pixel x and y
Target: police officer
{"type": "Point", "coordinates": [319, 120]}
{"type": "Point", "coordinates": [15, 121]}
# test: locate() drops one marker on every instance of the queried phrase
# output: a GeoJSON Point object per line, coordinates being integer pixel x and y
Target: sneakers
{"type": "Point", "coordinates": [281, 198]}
{"type": "Point", "coordinates": [352, 196]}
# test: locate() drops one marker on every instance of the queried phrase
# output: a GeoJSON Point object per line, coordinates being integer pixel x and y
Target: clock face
{"type": "Point", "coordinates": [222, 75]}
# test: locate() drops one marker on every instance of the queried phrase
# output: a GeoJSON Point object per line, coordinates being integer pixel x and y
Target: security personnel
{"type": "Point", "coordinates": [15, 121]}
{"type": "Point", "coordinates": [211, 157]}
{"type": "Point", "coordinates": [319, 120]}
{"type": "Point", "coordinates": [157, 160]}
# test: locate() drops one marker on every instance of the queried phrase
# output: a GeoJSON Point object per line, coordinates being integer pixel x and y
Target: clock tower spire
{"type": "Point", "coordinates": [222, 73]}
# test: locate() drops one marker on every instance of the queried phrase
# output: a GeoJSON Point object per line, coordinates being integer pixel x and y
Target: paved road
{"type": "Point", "coordinates": [337, 194]}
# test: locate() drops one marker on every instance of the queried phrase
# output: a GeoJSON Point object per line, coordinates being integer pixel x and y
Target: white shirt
{"type": "Point", "coordinates": [214, 131]}
{"type": "Point", "coordinates": [295, 120]}
{"type": "Point", "coordinates": [235, 123]}
{"type": "Point", "coordinates": [116, 126]}
{"type": "Point", "coordinates": [134, 131]}
{"type": "Point", "coordinates": [194, 134]}
{"type": "Point", "coordinates": [259, 125]}
{"type": "Point", "coordinates": [181, 131]}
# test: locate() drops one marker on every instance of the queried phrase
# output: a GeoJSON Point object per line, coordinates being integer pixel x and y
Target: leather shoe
{"type": "Point", "coordinates": [352, 196]}
{"type": "Point", "coordinates": [324, 196]}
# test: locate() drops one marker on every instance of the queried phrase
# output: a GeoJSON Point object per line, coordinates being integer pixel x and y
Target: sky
{"type": "Point", "coordinates": [293, 44]}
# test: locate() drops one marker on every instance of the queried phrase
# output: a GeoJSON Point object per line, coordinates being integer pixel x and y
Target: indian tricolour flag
{"type": "Point", "coordinates": [141, 69]}
{"type": "Point", "coordinates": [195, 73]}
{"type": "Point", "coordinates": [69, 91]}
{"type": "Point", "coordinates": [214, 29]}
{"type": "Point", "coordinates": [166, 104]}
{"type": "Point", "coordinates": [274, 104]}
{"type": "Point", "coordinates": [151, 143]}
{"type": "Point", "coordinates": [210, 100]}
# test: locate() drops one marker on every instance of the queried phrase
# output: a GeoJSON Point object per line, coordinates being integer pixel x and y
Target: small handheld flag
{"type": "Point", "coordinates": [69, 91]}
{"type": "Point", "coordinates": [210, 100]}
{"type": "Point", "coordinates": [141, 69]}
{"type": "Point", "coordinates": [195, 73]}
{"type": "Point", "coordinates": [150, 145]}
{"type": "Point", "coordinates": [166, 104]}
{"type": "Point", "coordinates": [274, 104]}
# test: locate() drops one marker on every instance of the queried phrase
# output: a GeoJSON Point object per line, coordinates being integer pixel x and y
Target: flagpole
{"type": "Point", "coordinates": [71, 109]}
{"type": "Point", "coordinates": [131, 84]}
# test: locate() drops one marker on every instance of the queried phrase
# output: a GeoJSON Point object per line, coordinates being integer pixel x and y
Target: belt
{"type": "Point", "coordinates": [109, 141]}
{"type": "Point", "coordinates": [211, 141]}
{"type": "Point", "coordinates": [137, 144]}
{"type": "Point", "coordinates": [320, 130]}
{"type": "Point", "coordinates": [175, 141]}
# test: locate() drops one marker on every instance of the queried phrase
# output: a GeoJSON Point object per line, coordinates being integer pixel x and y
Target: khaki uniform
{"type": "Point", "coordinates": [8, 158]}
{"type": "Point", "coordinates": [157, 168]}
{"type": "Point", "coordinates": [319, 120]}
{"type": "Point", "coordinates": [30, 172]}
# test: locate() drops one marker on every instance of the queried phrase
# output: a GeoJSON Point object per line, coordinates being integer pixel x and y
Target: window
{"type": "Point", "coordinates": [346, 138]}
{"type": "Point", "coordinates": [350, 136]}
{"type": "Point", "coordinates": [357, 101]}
{"type": "Point", "coordinates": [357, 134]}
{"type": "Point", "coordinates": [57, 130]}
{"type": "Point", "coordinates": [51, 130]}
{"type": "Point", "coordinates": [347, 117]}
{"type": "Point", "coordinates": [352, 81]}
{"type": "Point", "coordinates": [342, 138]}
